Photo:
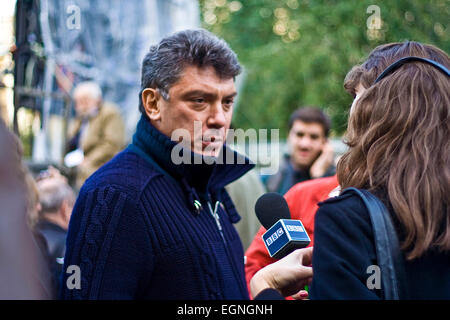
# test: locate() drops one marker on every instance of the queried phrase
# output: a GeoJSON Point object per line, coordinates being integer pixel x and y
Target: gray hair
{"type": "Point", "coordinates": [89, 88]}
{"type": "Point", "coordinates": [164, 63]}
{"type": "Point", "coordinates": [52, 194]}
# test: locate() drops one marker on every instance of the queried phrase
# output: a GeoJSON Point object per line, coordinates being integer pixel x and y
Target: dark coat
{"type": "Point", "coordinates": [344, 249]}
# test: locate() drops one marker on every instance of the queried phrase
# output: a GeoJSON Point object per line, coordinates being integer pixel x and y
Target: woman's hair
{"type": "Point", "coordinates": [399, 142]}
{"type": "Point", "coordinates": [10, 155]}
{"type": "Point", "coordinates": [14, 174]}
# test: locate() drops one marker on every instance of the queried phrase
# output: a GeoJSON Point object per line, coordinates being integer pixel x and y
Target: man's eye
{"type": "Point", "coordinates": [228, 103]}
{"type": "Point", "coordinates": [198, 100]}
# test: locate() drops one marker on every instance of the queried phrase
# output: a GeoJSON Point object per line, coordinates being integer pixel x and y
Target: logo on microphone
{"type": "Point", "coordinates": [274, 236]}
{"type": "Point", "coordinates": [294, 228]}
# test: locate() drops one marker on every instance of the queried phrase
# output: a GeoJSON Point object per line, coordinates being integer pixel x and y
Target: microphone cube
{"type": "Point", "coordinates": [285, 236]}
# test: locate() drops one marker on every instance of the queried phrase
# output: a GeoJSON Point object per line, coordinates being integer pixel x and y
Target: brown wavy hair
{"type": "Point", "coordinates": [399, 142]}
{"type": "Point", "coordinates": [15, 174]}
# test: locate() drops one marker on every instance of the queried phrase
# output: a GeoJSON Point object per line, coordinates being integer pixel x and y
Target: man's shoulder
{"type": "Point", "coordinates": [108, 112]}
{"type": "Point", "coordinates": [309, 193]}
{"type": "Point", "coordinates": [110, 108]}
{"type": "Point", "coordinates": [127, 172]}
{"type": "Point", "coordinates": [273, 182]}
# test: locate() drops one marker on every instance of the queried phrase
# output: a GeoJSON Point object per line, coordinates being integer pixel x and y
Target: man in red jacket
{"type": "Point", "coordinates": [302, 200]}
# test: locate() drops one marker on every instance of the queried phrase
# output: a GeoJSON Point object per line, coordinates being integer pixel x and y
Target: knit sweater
{"type": "Point", "coordinates": [137, 230]}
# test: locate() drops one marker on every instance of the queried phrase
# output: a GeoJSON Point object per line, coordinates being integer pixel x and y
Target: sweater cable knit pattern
{"type": "Point", "coordinates": [135, 233]}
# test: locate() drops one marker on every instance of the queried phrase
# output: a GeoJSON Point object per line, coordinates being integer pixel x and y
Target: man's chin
{"type": "Point", "coordinates": [211, 149]}
{"type": "Point", "coordinates": [303, 163]}
{"type": "Point", "coordinates": [212, 153]}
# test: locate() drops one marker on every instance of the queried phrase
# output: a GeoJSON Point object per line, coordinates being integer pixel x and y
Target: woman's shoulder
{"type": "Point", "coordinates": [347, 211]}
{"type": "Point", "coordinates": [344, 249]}
{"type": "Point", "coordinates": [348, 202]}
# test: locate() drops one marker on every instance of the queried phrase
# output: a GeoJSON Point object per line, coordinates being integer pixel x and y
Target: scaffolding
{"type": "Point", "coordinates": [60, 43]}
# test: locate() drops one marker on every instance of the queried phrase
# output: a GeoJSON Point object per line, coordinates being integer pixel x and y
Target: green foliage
{"type": "Point", "coordinates": [297, 52]}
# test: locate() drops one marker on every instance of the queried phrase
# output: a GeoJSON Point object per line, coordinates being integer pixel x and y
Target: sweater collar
{"type": "Point", "coordinates": [203, 175]}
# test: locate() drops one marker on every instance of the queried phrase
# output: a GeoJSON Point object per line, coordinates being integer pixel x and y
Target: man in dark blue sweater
{"type": "Point", "coordinates": [156, 222]}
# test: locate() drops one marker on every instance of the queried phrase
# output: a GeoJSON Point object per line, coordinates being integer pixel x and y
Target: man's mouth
{"type": "Point", "coordinates": [303, 153]}
{"type": "Point", "coordinates": [212, 141]}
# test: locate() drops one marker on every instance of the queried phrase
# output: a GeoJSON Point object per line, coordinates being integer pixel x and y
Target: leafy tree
{"type": "Point", "coordinates": [297, 52]}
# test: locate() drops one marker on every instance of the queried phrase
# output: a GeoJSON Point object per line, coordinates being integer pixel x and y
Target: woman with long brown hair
{"type": "Point", "coordinates": [399, 139]}
{"type": "Point", "coordinates": [399, 150]}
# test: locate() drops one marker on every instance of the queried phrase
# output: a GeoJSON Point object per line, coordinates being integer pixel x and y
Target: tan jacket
{"type": "Point", "coordinates": [104, 137]}
{"type": "Point", "coordinates": [244, 192]}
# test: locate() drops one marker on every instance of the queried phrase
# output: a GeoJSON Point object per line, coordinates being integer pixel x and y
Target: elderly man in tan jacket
{"type": "Point", "coordinates": [98, 130]}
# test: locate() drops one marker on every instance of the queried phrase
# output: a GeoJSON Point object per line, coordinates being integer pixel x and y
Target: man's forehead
{"type": "Point", "coordinates": [312, 127]}
{"type": "Point", "coordinates": [205, 78]}
{"type": "Point", "coordinates": [84, 96]}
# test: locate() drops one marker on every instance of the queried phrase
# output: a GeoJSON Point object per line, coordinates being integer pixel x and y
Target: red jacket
{"type": "Point", "coordinates": [302, 200]}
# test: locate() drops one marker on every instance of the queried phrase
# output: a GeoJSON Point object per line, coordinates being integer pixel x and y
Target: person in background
{"type": "Point", "coordinates": [98, 130]}
{"type": "Point", "coordinates": [311, 154]}
{"type": "Point", "coordinates": [56, 200]}
{"type": "Point", "coordinates": [244, 192]}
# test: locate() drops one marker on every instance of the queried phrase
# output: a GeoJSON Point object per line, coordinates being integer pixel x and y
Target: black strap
{"type": "Point", "coordinates": [389, 256]}
{"type": "Point", "coordinates": [397, 64]}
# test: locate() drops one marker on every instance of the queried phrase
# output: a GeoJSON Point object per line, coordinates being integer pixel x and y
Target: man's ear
{"type": "Point", "coordinates": [65, 212]}
{"type": "Point", "coordinates": [150, 99]}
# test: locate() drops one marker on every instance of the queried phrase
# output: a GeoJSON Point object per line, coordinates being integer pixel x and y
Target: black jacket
{"type": "Point", "coordinates": [287, 176]}
{"type": "Point", "coordinates": [344, 248]}
{"type": "Point", "coordinates": [55, 238]}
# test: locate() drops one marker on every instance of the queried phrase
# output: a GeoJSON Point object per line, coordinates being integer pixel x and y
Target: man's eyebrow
{"type": "Point", "coordinates": [234, 94]}
{"type": "Point", "coordinates": [205, 94]}
{"type": "Point", "coordinates": [198, 93]}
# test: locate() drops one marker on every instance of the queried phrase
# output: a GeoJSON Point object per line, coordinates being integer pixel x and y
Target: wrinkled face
{"type": "Point", "coordinates": [306, 141]}
{"type": "Point", "coordinates": [201, 104]}
{"type": "Point", "coordinates": [85, 104]}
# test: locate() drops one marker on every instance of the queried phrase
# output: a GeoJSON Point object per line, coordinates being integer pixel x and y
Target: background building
{"type": "Point", "coordinates": [62, 42]}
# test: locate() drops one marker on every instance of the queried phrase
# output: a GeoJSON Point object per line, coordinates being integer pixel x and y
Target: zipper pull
{"type": "Point", "coordinates": [197, 206]}
{"type": "Point", "coordinates": [215, 215]}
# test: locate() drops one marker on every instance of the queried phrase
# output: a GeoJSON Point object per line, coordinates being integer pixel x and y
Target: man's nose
{"type": "Point", "coordinates": [217, 118]}
{"type": "Point", "coordinates": [304, 142]}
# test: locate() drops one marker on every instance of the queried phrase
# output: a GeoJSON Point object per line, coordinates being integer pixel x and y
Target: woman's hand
{"type": "Point", "coordinates": [288, 275]}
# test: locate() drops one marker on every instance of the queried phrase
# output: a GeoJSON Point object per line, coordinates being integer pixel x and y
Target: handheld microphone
{"type": "Point", "coordinates": [283, 234]}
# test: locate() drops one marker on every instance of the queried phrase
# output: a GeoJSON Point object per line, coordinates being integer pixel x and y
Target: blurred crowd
{"type": "Point", "coordinates": [96, 134]}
